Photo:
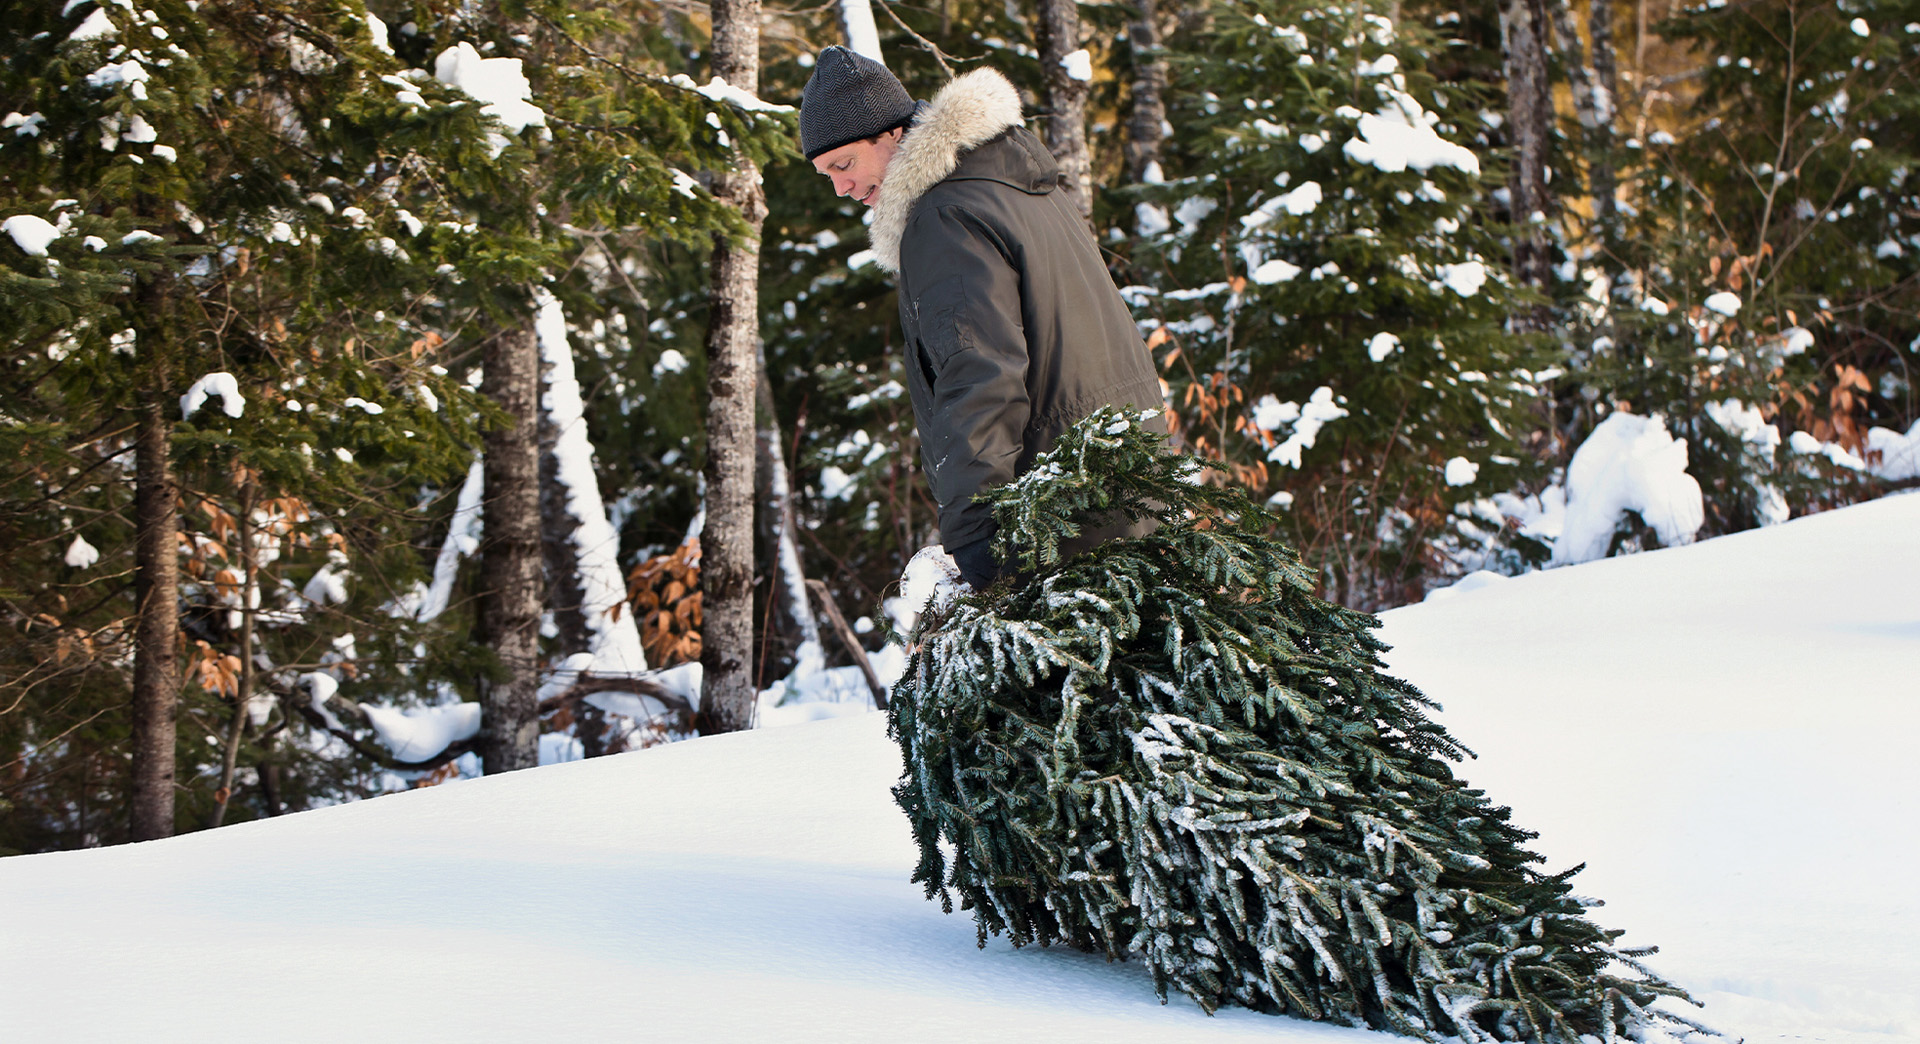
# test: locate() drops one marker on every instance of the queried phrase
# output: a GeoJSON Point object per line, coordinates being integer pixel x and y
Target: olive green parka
{"type": "Point", "coordinates": [1014, 329]}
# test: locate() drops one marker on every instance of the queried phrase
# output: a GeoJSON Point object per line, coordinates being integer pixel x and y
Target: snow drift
{"type": "Point", "coordinates": [1723, 730]}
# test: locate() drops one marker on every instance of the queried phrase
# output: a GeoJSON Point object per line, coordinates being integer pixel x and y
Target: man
{"type": "Point", "coordinates": [1013, 328]}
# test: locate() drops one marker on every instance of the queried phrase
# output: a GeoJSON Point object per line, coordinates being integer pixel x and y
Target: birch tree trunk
{"type": "Point", "coordinates": [1145, 129]}
{"type": "Point", "coordinates": [1523, 36]}
{"type": "Point", "coordinates": [726, 547]}
{"type": "Point", "coordinates": [156, 587]}
{"type": "Point", "coordinates": [510, 554]}
{"type": "Point", "coordinates": [1066, 100]}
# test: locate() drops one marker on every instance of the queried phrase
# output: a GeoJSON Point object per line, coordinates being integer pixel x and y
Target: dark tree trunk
{"type": "Point", "coordinates": [726, 546]}
{"type": "Point", "coordinates": [510, 554]}
{"type": "Point", "coordinates": [243, 691]}
{"type": "Point", "coordinates": [1523, 32]}
{"type": "Point", "coordinates": [1145, 130]}
{"type": "Point", "coordinates": [1606, 92]}
{"type": "Point", "coordinates": [1591, 87]}
{"type": "Point", "coordinates": [269, 774]}
{"type": "Point", "coordinates": [1066, 100]}
{"type": "Point", "coordinates": [156, 586]}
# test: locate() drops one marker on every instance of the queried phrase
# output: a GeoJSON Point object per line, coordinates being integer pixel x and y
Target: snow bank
{"type": "Point", "coordinates": [1721, 732]}
{"type": "Point", "coordinates": [1629, 463]}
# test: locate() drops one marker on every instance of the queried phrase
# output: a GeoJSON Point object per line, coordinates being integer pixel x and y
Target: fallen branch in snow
{"type": "Point", "coordinates": [638, 685]}
{"type": "Point", "coordinates": [819, 589]}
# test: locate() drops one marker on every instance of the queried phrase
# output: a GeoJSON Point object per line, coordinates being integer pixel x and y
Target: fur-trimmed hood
{"type": "Point", "coordinates": [969, 111]}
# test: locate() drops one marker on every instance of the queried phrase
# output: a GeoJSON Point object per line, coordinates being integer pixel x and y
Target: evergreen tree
{"type": "Point", "coordinates": [1326, 292]}
{"type": "Point", "coordinates": [267, 229]}
{"type": "Point", "coordinates": [1762, 292]}
{"type": "Point", "coordinates": [224, 264]}
{"type": "Point", "coordinates": [1170, 748]}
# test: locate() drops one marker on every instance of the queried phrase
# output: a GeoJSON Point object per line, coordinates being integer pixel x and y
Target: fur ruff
{"type": "Point", "coordinates": [969, 111]}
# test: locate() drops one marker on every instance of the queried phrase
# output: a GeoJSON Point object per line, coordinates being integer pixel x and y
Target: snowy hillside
{"type": "Point", "coordinates": [1723, 732]}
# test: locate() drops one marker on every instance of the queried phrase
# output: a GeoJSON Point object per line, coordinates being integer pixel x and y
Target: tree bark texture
{"type": "Point", "coordinates": [733, 333]}
{"type": "Point", "coordinates": [1606, 88]}
{"type": "Point", "coordinates": [156, 658]}
{"type": "Point", "coordinates": [1591, 104]}
{"type": "Point", "coordinates": [1066, 100]}
{"type": "Point", "coordinates": [1145, 129]}
{"type": "Point", "coordinates": [1523, 34]}
{"type": "Point", "coordinates": [510, 554]}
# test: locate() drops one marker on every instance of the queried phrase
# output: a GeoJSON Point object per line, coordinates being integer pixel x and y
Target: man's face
{"type": "Point", "coordinates": [858, 168]}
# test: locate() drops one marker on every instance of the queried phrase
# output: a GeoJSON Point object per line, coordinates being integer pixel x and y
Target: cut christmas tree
{"type": "Point", "coordinates": [1170, 748]}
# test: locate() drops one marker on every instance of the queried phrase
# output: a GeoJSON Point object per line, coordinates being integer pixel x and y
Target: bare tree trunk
{"type": "Point", "coordinates": [510, 555]}
{"type": "Point", "coordinates": [243, 688]}
{"type": "Point", "coordinates": [1145, 130]}
{"type": "Point", "coordinates": [156, 587]}
{"type": "Point", "coordinates": [1592, 89]}
{"type": "Point", "coordinates": [1606, 92]}
{"type": "Point", "coordinates": [1066, 100]}
{"type": "Point", "coordinates": [726, 547]}
{"type": "Point", "coordinates": [1523, 36]}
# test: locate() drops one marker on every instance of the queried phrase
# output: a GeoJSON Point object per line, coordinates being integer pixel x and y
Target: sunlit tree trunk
{"type": "Point", "coordinates": [1523, 36]}
{"type": "Point", "coordinates": [156, 586]}
{"type": "Point", "coordinates": [726, 546]}
{"type": "Point", "coordinates": [510, 554]}
{"type": "Point", "coordinates": [1066, 99]}
{"type": "Point", "coordinates": [1146, 128]}
{"type": "Point", "coordinates": [1606, 87]}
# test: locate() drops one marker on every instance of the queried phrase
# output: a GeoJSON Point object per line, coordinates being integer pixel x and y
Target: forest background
{"type": "Point", "coordinates": [400, 391]}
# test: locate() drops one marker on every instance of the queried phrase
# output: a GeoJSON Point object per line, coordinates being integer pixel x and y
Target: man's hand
{"type": "Point", "coordinates": [976, 563]}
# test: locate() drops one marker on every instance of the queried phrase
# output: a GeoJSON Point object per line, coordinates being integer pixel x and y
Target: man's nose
{"type": "Point", "coordinates": [843, 186]}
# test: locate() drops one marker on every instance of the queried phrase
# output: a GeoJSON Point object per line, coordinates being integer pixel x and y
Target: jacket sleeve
{"type": "Point", "coordinates": [973, 346]}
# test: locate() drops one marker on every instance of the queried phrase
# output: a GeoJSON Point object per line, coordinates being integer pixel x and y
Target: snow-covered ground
{"type": "Point", "coordinates": [1723, 732]}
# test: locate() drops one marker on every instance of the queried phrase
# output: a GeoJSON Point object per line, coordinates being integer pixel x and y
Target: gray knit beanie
{"type": "Point", "coordinates": [849, 98]}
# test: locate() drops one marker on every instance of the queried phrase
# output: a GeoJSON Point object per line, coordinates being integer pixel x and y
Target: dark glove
{"type": "Point", "coordinates": [976, 563]}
